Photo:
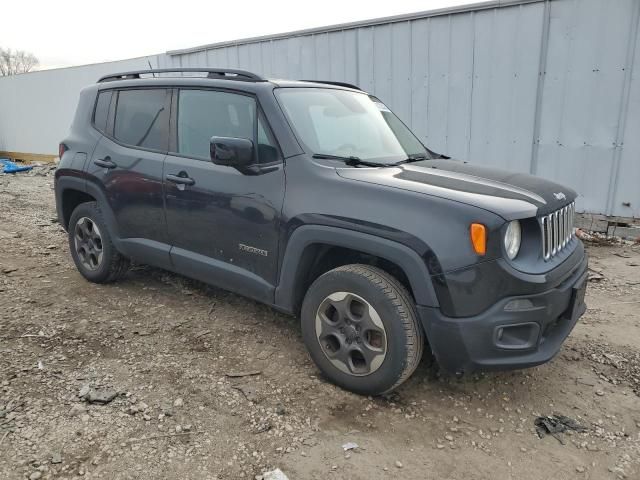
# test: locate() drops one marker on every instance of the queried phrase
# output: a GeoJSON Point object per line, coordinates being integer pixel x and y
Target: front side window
{"type": "Point", "coordinates": [203, 114]}
{"type": "Point", "coordinates": [345, 123]}
{"type": "Point", "coordinates": [141, 118]}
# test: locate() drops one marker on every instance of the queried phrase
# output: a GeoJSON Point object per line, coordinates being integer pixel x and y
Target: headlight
{"type": "Point", "coordinates": [512, 238]}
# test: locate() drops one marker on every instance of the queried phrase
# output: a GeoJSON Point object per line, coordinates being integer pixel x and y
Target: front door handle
{"type": "Point", "coordinates": [180, 179]}
{"type": "Point", "coordinates": [105, 162]}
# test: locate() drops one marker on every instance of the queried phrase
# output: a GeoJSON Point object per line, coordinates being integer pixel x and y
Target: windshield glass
{"type": "Point", "coordinates": [348, 124]}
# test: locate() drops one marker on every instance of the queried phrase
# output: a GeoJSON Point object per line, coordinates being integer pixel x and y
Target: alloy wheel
{"type": "Point", "coordinates": [351, 333]}
{"type": "Point", "coordinates": [88, 243]}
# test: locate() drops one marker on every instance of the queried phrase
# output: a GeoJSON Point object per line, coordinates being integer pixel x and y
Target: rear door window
{"type": "Point", "coordinates": [141, 118]}
{"type": "Point", "coordinates": [102, 110]}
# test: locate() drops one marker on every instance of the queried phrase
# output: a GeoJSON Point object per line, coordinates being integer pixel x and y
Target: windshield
{"type": "Point", "coordinates": [348, 124]}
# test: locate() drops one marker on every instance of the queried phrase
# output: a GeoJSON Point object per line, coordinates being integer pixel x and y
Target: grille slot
{"type": "Point", "coordinates": [557, 230]}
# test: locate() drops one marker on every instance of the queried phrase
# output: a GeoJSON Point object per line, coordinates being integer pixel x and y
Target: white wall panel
{"type": "Point", "coordinates": [36, 109]}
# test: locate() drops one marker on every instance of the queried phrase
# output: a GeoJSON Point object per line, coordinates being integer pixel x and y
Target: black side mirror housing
{"type": "Point", "coordinates": [231, 151]}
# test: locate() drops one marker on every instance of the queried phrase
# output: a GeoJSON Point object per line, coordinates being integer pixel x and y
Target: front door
{"type": "Point", "coordinates": [222, 222]}
{"type": "Point", "coordinates": [128, 163]}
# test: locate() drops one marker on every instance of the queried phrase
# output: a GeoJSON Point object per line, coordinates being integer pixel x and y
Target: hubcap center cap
{"type": "Point", "coordinates": [351, 333]}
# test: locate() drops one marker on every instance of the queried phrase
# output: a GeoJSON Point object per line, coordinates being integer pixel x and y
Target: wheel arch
{"type": "Point", "coordinates": [311, 245]}
{"type": "Point", "coordinates": [71, 198]}
{"type": "Point", "coordinates": [72, 191]}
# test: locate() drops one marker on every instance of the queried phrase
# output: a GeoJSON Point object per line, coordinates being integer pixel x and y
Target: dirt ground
{"type": "Point", "coordinates": [177, 353]}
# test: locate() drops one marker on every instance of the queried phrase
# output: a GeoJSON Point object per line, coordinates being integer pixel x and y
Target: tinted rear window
{"type": "Point", "coordinates": [141, 118]}
{"type": "Point", "coordinates": [102, 110]}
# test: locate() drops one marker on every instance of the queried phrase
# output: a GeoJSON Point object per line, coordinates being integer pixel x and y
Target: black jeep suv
{"type": "Point", "coordinates": [314, 198]}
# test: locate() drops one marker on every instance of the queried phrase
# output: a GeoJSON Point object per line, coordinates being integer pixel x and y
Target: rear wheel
{"type": "Point", "coordinates": [91, 247]}
{"type": "Point", "coordinates": [361, 329]}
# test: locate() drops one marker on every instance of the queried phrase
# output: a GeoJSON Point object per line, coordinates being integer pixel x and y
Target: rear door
{"type": "Point", "coordinates": [127, 163]}
{"type": "Point", "coordinates": [223, 223]}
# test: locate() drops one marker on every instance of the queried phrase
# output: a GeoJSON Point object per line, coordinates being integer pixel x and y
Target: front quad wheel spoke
{"type": "Point", "coordinates": [354, 308]}
{"type": "Point", "coordinates": [342, 356]}
{"type": "Point", "coordinates": [342, 305]}
{"type": "Point", "coordinates": [374, 339]}
{"type": "Point", "coordinates": [365, 317]}
{"type": "Point", "coordinates": [81, 236]}
{"type": "Point", "coordinates": [333, 346]}
{"type": "Point", "coordinates": [95, 233]}
{"type": "Point", "coordinates": [85, 226]}
{"type": "Point", "coordinates": [333, 309]}
{"type": "Point", "coordinates": [365, 360]}
{"type": "Point", "coordinates": [331, 338]}
{"type": "Point", "coordinates": [329, 319]}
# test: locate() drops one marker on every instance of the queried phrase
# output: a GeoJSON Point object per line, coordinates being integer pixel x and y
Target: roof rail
{"type": "Point", "coordinates": [338, 84]}
{"type": "Point", "coordinates": [219, 73]}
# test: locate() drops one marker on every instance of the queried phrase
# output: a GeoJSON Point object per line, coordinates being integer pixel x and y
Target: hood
{"type": "Point", "coordinates": [508, 194]}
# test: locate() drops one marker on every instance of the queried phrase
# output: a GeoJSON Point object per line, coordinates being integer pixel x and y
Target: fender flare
{"type": "Point", "coordinates": [304, 236]}
{"type": "Point", "coordinates": [64, 183]}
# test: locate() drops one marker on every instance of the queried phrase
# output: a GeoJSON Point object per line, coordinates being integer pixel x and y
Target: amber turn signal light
{"type": "Point", "coordinates": [479, 238]}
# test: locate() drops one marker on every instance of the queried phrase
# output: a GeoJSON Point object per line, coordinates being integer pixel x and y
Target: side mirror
{"type": "Point", "coordinates": [231, 151]}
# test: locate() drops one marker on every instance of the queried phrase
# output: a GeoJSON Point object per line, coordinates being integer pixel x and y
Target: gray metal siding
{"type": "Point", "coordinates": [532, 86]}
{"type": "Point", "coordinates": [582, 97]}
{"type": "Point", "coordinates": [624, 187]}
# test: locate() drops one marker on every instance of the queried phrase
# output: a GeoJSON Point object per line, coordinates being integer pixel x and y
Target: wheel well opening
{"type": "Point", "coordinates": [70, 200]}
{"type": "Point", "coordinates": [318, 259]}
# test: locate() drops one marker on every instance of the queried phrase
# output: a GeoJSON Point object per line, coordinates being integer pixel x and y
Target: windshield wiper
{"type": "Point", "coordinates": [351, 160]}
{"type": "Point", "coordinates": [411, 159]}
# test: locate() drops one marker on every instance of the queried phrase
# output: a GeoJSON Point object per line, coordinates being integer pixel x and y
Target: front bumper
{"type": "Point", "coordinates": [515, 332]}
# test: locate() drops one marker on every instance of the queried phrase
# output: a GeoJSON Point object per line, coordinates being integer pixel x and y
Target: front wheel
{"type": "Point", "coordinates": [361, 329]}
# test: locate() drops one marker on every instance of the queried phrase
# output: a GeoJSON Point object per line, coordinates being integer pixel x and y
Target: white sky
{"type": "Point", "coordinates": [73, 32]}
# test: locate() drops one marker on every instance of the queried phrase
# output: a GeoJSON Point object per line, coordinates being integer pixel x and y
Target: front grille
{"type": "Point", "coordinates": [557, 230]}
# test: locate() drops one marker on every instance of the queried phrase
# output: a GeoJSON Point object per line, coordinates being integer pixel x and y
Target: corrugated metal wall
{"type": "Point", "coordinates": [585, 103]}
{"type": "Point", "coordinates": [546, 87]}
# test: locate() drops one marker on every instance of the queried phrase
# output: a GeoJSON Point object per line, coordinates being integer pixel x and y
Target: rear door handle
{"type": "Point", "coordinates": [105, 162]}
{"type": "Point", "coordinates": [180, 180]}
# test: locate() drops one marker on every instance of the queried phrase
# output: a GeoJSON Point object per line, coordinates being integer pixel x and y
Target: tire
{"type": "Point", "coordinates": [351, 357]}
{"type": "Point", "coordinates": [98, 262]}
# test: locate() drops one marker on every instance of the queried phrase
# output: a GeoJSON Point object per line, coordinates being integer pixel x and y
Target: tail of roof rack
{"type": "Point", "coordinates": [338, 84]}
{"type": "Point", "coordinates": [218, 73]}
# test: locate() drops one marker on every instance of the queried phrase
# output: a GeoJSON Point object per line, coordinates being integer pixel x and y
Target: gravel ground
{"type": "Point", "coordinates": [210, 385]}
